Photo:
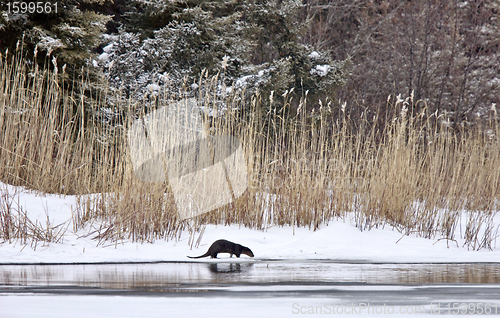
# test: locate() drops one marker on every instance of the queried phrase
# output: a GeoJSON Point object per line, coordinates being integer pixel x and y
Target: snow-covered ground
{"type": "Point", "coordinates": [339, 240]}
{"type": "Point", "coordinates": [98, 306]}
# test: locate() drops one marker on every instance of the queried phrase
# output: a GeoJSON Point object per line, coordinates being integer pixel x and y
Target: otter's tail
{"type": "Point", "coordinates": [204, 255]}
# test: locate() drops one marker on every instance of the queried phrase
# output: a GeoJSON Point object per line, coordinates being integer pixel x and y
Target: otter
{"type": "Point", "coordinates": [224, 246]}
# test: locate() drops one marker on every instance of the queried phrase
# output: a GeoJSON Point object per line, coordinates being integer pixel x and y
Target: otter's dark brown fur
{"type": "Point", "coordinates": [224, 246]}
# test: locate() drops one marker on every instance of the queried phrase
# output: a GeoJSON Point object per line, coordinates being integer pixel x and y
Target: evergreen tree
{"type": "Point", "coordinates": [67, 29]}
{"type": "Point", "coordinates": [256, 44]}
{"type": "Point", "coordinates": [150, 44]}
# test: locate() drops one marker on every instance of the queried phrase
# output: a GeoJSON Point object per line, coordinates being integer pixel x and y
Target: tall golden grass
{"type": "Point", "coordinates": [48, 142]}
{"type": "Point", "coordinates": [412, 173]}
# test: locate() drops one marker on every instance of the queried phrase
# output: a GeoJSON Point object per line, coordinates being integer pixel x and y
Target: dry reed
{"type": "Point", "coordinates": [412, 173]}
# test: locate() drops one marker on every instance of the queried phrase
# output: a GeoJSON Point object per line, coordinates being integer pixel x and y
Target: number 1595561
{"type": "Point", "coordinates": [31, 7]}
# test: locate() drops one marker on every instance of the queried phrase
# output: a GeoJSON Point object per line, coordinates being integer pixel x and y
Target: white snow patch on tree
{"type": "Point", "coordinates": [48, 43]}
{"type": "Point", "coordinates": [243, 81]}
{"type": "Point", "coordinates": [108, 48]}
{"type": "Point", "coordinates": [72, 30]}
{"type": "Point", "coordinates": [314, 55]}
{"type": "Point", "coordinates": [104, 57]}
{"type": "Point", "coordinates": [320, 70]}
{"type": "Point", "coordinates": [153, 87]}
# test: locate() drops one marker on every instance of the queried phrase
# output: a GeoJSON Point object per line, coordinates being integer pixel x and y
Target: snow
{"type": "Point", "coordinates": [314, 55]}
{"type": "Point", "coordinates": [49, 43]}
{"type": "Point", "coordinates": [74, 31]}
{"type": "Point", "coordinates": [124, 306]}
{"type": "Point", "coordinates": [340, 240]}
{"type": "Point", "coordinates": [321, 70]}
{"type": "Point", "coordinates": [242, 82]}
{"type": "Point", "coordinates": [153, 87]}
{"type": "Point", "coordinates": [108, 48]}
{"type": "Point", "coordinates": [164, 77]}
{"type": "Point", "coordinates": [104, 57]}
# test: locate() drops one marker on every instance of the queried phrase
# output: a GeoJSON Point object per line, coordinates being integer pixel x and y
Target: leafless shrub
{"type": "Point", "coordinates": [446, 52]}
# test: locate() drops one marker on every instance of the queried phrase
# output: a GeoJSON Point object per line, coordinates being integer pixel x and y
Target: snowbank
{"type": "Point", "coordinates": [339, 241]}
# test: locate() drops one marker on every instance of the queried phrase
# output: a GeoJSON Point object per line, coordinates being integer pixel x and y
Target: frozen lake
{"type": "Point", "coordinates": [268, 288]}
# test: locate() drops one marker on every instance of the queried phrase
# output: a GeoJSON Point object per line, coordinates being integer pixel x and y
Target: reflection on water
{"type": "Point", "coordinates": [229, 268]}
{"type": "Point", "coordinates": [165, 275]}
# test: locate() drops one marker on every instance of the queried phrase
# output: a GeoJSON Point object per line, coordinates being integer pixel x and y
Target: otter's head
{"type": "Point", "coordinates": [246, 251]}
